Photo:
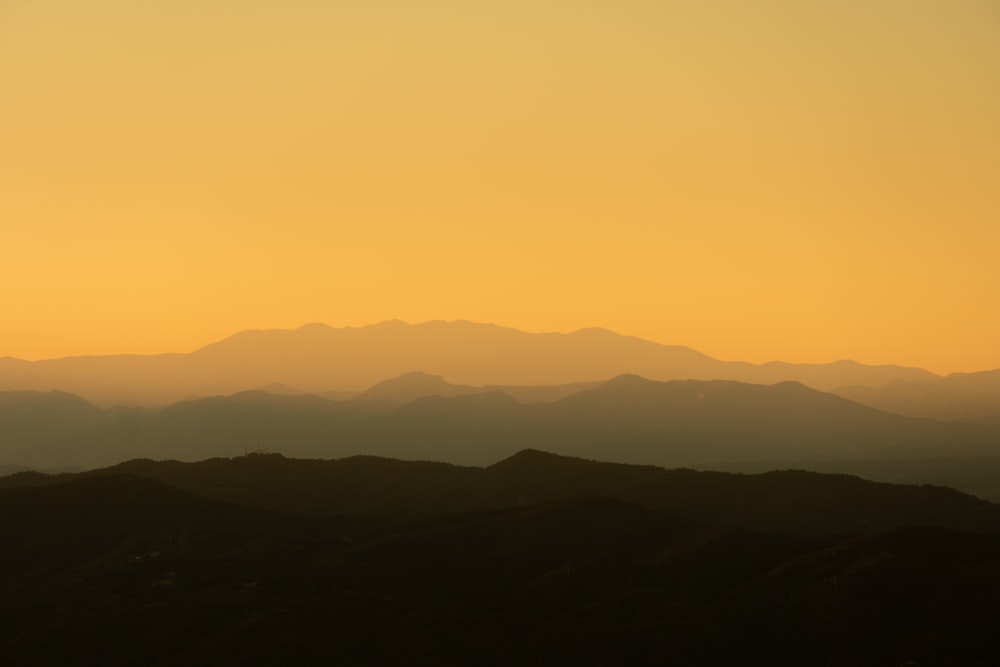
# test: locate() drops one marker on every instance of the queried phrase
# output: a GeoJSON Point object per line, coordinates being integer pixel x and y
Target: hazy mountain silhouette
{"type": "Point", "coordinates": [627, 419]}
{"type": "Point", "coordinates": [987, 382]}
{"type": "Point", "coordinates": [30, 419]}
{"type": "Point", "coordinates": [743, 421]}
{"type": "Point", "coordinates": [411, 386]}
{"type": "Point", "coordinates": [408, 387]}
{"type": "Point", "coordinates": [959, 396]}
{"type": "Point", "coordinates": [317, 359]}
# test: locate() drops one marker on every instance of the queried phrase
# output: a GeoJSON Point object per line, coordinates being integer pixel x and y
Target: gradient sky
{"type": "Point", "coordinates": [807, 180]}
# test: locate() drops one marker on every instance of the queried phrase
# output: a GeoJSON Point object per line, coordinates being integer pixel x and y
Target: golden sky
{"type": "Point", "coordinates": [806, 180]}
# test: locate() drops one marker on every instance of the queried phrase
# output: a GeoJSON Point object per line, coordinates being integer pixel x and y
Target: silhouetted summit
{"type": "Point", "coordinates": [411, 386]}
{"type": "Point", "coordinates": [534, 459]}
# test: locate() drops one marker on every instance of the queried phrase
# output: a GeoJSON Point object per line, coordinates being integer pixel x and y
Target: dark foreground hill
{"type": "Point", "coordinates": [537, 560]}
{"type": "Point", "coordinates": [393, 490]}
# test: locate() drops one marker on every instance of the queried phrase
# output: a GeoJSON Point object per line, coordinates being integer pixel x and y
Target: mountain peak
{"type": "Point", "coordinates": [411, 386]}
{"type": "Point", "coordinates": [530, 458]}
{"type": "Point", "coordinates": [388, 324]}
{"type": "Point", "coordinates": [629, 380]}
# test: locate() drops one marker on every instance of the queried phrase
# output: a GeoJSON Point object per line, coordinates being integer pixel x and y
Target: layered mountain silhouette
{"type": "Point", "coordinates": [60, 429]}
{"type": "Point", "coordinates": [534, 560]}
{"type": "Point", "coordinates": [317, 359]}
{"type": "Point", "coordinates": [628, 419]}
{"type": "Point", "coordinates": [973, 397]}
{"type": "Point", "coordinates": [432, 494]}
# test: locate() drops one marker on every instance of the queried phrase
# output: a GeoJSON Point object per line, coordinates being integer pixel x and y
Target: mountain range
{"type": "Point", "coordinates": [317, 359]}
{"type": "Point", "coordinates": [627, 419]}
{"type": "Point", "coordinates": [392, 490]}
{"type": "Point", "coordinates": [973, 397]}
{"type": "Point", "coordinates": [486, 392]}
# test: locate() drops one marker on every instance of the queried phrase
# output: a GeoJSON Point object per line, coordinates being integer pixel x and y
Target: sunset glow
{"type": "Point", "coordinates": [805, 181]}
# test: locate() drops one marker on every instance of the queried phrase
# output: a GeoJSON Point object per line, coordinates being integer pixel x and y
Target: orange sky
{"type": "Point", "coordinates": [800, 180]}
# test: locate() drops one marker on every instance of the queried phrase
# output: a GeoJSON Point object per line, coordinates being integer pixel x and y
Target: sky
{"type": "Point", "coordinates": [806, 180]}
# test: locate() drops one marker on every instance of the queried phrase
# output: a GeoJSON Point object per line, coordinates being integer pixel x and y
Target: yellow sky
{"type": "Point", "coordinates": [782, 179]}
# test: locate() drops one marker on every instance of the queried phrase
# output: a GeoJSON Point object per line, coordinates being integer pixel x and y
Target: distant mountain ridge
{"type": "Point", "coordinates": [628, 419]}
{"type": "Point", "coordinates": [959, 396]}
{"type": "Point", "coordinates": [317, 358]}
{"type": "Point", "coordinates": [409, 387]}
